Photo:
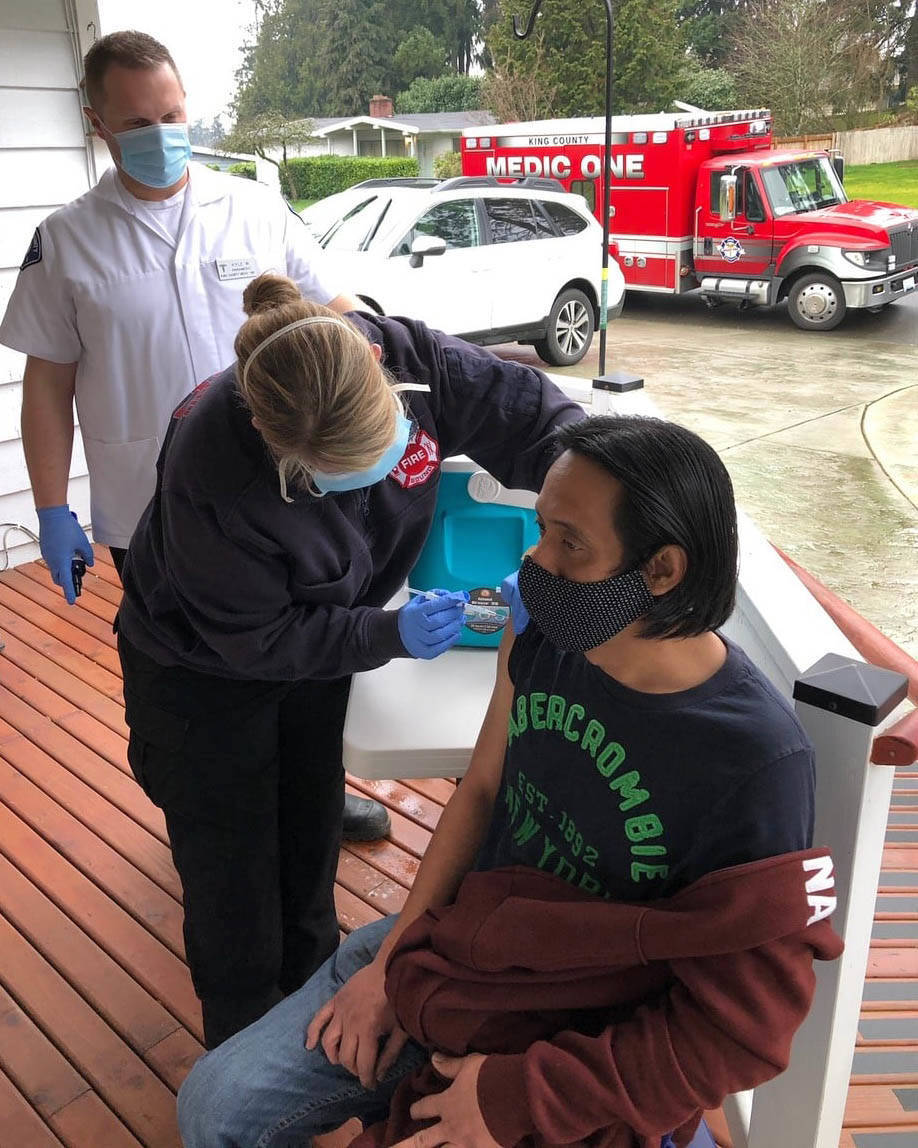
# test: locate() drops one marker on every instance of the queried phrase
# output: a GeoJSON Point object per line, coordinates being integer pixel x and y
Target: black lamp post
{"type": "Point", "coordinates": [606, 194]}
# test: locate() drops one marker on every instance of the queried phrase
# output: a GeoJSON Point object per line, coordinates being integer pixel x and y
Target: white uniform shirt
{"type": "Point", "coordinates": [147, 316]}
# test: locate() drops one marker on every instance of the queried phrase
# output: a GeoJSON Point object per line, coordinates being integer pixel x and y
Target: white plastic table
{"type": "Point", "coordinates": [412, 718]}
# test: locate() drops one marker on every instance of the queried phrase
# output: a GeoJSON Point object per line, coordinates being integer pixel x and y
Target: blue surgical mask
{"type": "Point", "coordinates": [156, 155]}
{"type": "Point", "coordinates": [358, 479]}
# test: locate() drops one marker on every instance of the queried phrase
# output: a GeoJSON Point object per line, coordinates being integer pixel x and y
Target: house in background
{"type": "Point", "coordinates": [419, 135]}
{"type": "Point", "coordinates": [46, 159]}
{"type": "Point", "coordinates": [221, 159]}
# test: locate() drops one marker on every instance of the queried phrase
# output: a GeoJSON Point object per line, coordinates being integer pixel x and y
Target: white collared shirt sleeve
{"type": "Point", "coordinates": [307, 264]}
{"type": "Point", "coordinates": [40, 319]}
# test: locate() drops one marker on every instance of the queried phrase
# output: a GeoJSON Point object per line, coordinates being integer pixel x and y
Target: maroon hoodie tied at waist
{"type": "Point", "coordinates": [610, 1023]}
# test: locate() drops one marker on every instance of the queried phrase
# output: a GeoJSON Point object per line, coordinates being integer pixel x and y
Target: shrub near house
{"type": "Point", "coordinates": [315, 177]}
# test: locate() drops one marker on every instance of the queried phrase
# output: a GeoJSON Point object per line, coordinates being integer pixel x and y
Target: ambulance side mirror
{"type": "Point", "coordinates": [727, 206]}
{"type": "Point", "coordinates": [423, 245]}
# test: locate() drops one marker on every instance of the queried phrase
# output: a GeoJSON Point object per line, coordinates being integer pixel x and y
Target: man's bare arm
{"type": "Point", "coordinates": [351, 1024]}
{"type": "Point", "coordinates": [47, 427]}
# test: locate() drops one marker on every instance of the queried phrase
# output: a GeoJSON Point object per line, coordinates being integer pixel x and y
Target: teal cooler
{"type": "Point", "coordinates": [473, 544]}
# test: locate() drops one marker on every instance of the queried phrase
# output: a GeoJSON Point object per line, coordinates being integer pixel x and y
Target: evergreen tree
{"type": "Point", "coordinates": [566, 54]}
{"type": "Point", "coordinates": [328, 57]}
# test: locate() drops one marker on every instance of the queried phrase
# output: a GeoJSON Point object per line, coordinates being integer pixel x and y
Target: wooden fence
{"type": "Point", "coordinates": [870, 145]}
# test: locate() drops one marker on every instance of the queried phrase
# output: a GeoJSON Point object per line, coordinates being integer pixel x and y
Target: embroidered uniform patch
{"type": "Point", "coordinates": [419, 462]}
{"type": "Point", "coordinates": [186, 407]}
{"type": "Point", "coordinates": [33, 255]}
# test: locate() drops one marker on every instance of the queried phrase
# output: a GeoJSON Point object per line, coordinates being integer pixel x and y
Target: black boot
{"type": "Point", "coordinates": [364, 820]}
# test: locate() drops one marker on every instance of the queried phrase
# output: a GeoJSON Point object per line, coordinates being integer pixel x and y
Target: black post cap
{"type": "Point", "coordinates": [852, 689]}
{"type": "Point", "coordinates": [619, 381]}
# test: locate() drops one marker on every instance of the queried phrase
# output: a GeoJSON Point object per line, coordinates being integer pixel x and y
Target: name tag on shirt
{"type": "Point", "coordinates": [236, 268]}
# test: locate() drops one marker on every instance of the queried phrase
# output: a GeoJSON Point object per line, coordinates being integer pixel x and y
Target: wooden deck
{"type": "Point", "coordinates": [98, 1020]}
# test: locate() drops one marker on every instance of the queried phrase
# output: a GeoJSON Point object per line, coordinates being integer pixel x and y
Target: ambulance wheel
{"type": "Point", "coordinates": [816, 302]}
{"type": "Point", "coordinates": [570, 330]}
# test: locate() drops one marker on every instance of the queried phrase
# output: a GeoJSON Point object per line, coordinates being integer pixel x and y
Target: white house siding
{"type": "Point", "coordinates": [44, 163]}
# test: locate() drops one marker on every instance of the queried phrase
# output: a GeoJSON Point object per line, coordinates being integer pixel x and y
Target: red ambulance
{"type": "Point", "coordinates": [702, 201]}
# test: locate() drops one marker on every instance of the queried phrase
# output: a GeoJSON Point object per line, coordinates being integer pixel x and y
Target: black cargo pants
{"type": "Point", "coordinates": [249, 777]}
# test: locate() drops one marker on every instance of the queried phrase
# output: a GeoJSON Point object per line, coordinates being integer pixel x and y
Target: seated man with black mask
{"type": "Point", "coordinates": [609, 931]}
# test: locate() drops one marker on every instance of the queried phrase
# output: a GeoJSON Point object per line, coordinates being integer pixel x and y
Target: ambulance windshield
{"type": "Point", "coordinates": [803, 185]}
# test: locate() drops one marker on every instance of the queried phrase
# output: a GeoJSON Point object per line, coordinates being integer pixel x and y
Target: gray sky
{"type": "Point", "coordinates": [204, 37]}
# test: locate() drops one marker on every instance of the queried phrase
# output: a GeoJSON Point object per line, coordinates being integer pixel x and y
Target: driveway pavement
{"type": "Point", "coordinates": [820, 432]}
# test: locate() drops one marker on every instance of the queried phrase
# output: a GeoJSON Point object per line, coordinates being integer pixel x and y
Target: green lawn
{"type": "Point", "coordinates": [300, 204]}
{"type": "Point", "coordinates": [888, 182]}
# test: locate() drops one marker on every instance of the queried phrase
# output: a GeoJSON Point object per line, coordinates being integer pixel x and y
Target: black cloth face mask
{"type": "Point", "coordinates": [579, 616]}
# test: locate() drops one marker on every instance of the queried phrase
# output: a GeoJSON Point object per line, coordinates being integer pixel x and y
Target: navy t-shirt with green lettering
{"type": "Point", "coordinates": [632, 795]}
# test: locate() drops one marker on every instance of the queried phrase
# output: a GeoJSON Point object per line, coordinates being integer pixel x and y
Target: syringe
{"type": "Point", "coordinates": [470, 609]}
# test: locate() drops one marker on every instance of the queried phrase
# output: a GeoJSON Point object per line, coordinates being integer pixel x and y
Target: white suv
{"type": "Point", "coordinates": [491, 262]}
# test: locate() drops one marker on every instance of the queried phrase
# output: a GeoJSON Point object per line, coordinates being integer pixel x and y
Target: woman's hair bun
{"type": "Point", "coordinates": [269, 291]}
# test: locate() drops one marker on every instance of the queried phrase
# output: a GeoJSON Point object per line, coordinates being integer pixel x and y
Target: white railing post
{"type": "Point", "coordinates": [843, 704]}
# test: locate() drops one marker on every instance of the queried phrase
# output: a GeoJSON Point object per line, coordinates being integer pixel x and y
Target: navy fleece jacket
{"type": "Point", "coordinates": [225, 577]}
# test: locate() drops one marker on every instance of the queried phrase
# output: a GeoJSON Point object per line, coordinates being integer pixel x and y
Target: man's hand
{"type": "Point", "coordinates": [459, 1119]}
{"type": "Point", "coordinates": [351, 1025]}
{"type": "Point", "coordinates": [62, 539]}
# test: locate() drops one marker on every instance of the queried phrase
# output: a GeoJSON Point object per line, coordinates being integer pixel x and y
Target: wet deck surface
{"type": "Point", "coordinates": [98, 1020]}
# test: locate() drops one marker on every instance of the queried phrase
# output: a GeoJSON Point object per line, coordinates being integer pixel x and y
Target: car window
{"type": "Point", "coordinates": [755, 210]}
{"type": "Point", "coordinates": [355, 227]}
{"type": "Point", "coordinates": [568, 222]}
{"type": "Point", "coordinates": [455, 221]}
{"type": "Point", "coordinates": [586, 188]}
{"type": "Point", "coordinates": [511, 220]}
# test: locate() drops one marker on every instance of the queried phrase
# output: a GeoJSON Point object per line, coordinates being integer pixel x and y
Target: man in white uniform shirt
{"type": "Point", "coordinates": [130, 296]}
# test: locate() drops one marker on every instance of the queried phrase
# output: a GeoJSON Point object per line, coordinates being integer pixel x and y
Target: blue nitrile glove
{"type": "Point", "coordinates": [519, 615]}
{"type": "Point", "coordinates": [428, 626]}
{"type": "Point", "coordinates": [61, 538]}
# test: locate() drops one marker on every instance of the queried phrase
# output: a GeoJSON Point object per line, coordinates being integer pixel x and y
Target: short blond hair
{"type": "Point", "coordinates": [318, 394]}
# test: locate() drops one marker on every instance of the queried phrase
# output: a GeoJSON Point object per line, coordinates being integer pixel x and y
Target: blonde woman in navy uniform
{"type": "Point", "coordinates": [295, 490]}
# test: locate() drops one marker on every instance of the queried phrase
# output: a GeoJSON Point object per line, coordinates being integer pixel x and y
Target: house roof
{"type": "Point", "coordinates": [420, 123]}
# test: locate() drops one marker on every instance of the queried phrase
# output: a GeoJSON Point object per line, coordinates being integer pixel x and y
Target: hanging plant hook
{"type": "Point", "coordinates": [529, 25]}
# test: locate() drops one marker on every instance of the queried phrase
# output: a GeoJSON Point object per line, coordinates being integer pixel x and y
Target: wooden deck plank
{"type": "Point", "coordinates": [174, 1056]}
{"type": "Point", "coordinates": [398, 864]}
{"type": "Point", "coordinates": [44, 1077]}
{"type": "Point", "coordinates": [405, 833]}
{"type": "Point", "coordinates": [52, 599]}
{"type": "Point", "coordinates": [134, 891]}
{"type": "Point", "coordinates": [61, 653]}
{"type": "Point", "coordinates": [148, 960]}
{"type": "Point", "coordinates": [144, 851]}
{"type": "Point", "coordinates": [73, 693]}
{"type": "Point", "coordinates": [119, 1076]}
{"type": "Point", "coordinates": [20, 1124]}
{"type": "Point", "coordinates": [90, 646]}
{"type": "Point", "coordinates": [88, 1121]}
{"type": "Point", "coordinates": [88, 601]}
{"type": "Point", "coordinates": [130, 1010]}
{"type": "Point", "coordinates": [870, 1105]}
{"type": "Point", "coordinates": [369, 884]}
{"type": "Point", "coordinates": [98, 737]}
{"type": "Point", "coordinates": [110, 782]}
{"type": "Point", "coordinates": [411, 804]}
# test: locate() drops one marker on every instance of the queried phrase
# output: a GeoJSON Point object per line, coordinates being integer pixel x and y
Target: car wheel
{"type": "Point", "coordinates": [816, 302]}
{"type": "Point", "coordinates": [570, 330]}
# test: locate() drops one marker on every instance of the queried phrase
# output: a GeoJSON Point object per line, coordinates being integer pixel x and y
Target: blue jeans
{"type": "Point", "coordinates": [263, 1089]}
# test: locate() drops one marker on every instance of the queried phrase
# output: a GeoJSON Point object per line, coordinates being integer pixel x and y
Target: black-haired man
{"type": "Point", "coordinates": [629, 750]}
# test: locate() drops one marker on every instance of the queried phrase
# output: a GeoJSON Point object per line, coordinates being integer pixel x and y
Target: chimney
{"type": "Point", "coordinates": [381, 108]}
